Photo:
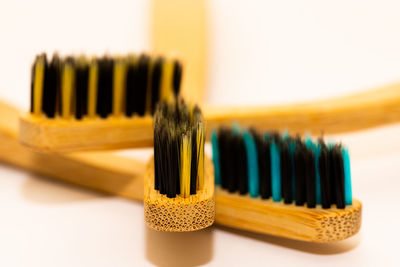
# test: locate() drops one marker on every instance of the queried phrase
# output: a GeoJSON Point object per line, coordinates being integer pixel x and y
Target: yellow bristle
{"type": "Point", "coordinates": [200, 156]}
{"type": "Point", "coordinates": [92, 92]}
{"type": "Point", "coordinates": [191, 112]}
{"type": "Point", "coordinates": [186, 156]}
{"type": "Point", "coordinates": [67, 88]}
{"type": "Point", "coordinates": [38, 86]}
{"type": "Point", "coordinates": [119, 87]}
{"type": "Point", "coordinates": [166, 92]}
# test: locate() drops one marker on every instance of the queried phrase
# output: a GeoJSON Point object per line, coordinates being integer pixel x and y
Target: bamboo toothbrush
{"type": "Point", "coordinates": [125, 177]}
{"type": "Point", "coordinates": [115, 96]}
{"type": "Point", "coordinates": [179, 183]}
{"type": "Point", "coordinates": [284, 186]}
{"type": "Point", "coordinates": [343, 114]}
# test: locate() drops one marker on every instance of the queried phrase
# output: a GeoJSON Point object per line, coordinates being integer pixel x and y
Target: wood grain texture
{"type": "Point", "coordinates": [61, 135]}
{"type": "Point", "coordinates": [276, 218]}
{"type": "Point", "coordinates": [179, 214]}
{"type": "Point", "coordinates": [179, 27]}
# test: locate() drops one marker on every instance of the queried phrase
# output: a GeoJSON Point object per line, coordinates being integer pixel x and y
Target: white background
{"type": "Point", "coordinates": [261, 52]}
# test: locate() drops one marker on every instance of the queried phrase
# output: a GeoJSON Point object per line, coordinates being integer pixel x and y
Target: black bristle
{"type": "Point", "coordinates": [300, 174]}
{"type": "Point", "coordinates": [156, 83]}
{"type": "Point", "coordinates": [176, 149]}
{"type": "Point", "coordinates": [265, 191]}
{"type": "Point", "coordinates": [332, 176]}
{"type": "Point", "coordinates": [81, 89]}
{"type": "Point", "coordinates": [177, 77]}
{"type": "Point", "coordinates": [194, 165]}
{"type": "Point", "coordinates": [230, 176]}
{"type": "Point", "coordinates": [105, 87]}
{"type": "Point", "coordinates": [338, 176]}
{"type": "Point", "coordinates": [140, 91]}
{"type": "Point", "coordinates": [59, 89]}
{"type": "Point", "coordinates": [162, 145]}
{"type": "Point", "coordinates": [173, 168]}
{"type": "Point", "coordinates": [224, 136]}
{"type": "Point", "coordinates": [156, 159]}
{"type": "Point", "coordinates": [324, 176]}
{"type": "Point", "coordinates": [310, 178]}
{"type": "Point", "coordinates": [241, 165]}
{"type": "Point", "coordinates": [264, 169]}
{"type": "Point", "coordinates": [286, 173]}
{"type": "Point", "coordinates": [51, 85]}
{"type": "Point", "coordinates": [233, 180]}
{"type": "Point", "coordinates": [33, 82]}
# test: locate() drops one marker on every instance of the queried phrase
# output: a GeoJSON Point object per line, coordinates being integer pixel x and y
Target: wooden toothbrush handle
{"type": "Point", "coordinates": [180, 27]}
{"type": "Point", "coordinates": [336, 115]}
{"type": "Point", "coordinates": [103, 172]}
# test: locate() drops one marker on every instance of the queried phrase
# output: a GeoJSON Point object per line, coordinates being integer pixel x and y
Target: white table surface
{"type": "Point", "coordinates": [262, 53]}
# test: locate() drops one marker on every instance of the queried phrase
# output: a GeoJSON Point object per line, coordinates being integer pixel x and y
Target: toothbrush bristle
{"type": "Point", "coordinates": [289, 169]}
{"type": "Point", "coordinates": [105, 83]}
{"type": "Point", "coordinates": [177, 77]}
{"type": "Point", "coordinates": [139, 93]}
{"type": "Point", "coordinates": [75, 87]}
{"type": "Point", "coordinates": [156, 82]}
{"type": "Point", "coordinates": [81, 83]}
{"type": "Point", "coordinates": [50, 87]}
{"type": "Point", "coordinates": [178, 149]}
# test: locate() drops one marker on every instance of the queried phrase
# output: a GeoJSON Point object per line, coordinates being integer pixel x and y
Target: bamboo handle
{"type": "Point", "coordinates": [103, 172]}
{"type": "Point", "coordinates": [336, 115]}
{"type": "Point", "coordinates": [62, 136]}
{"type": "Point", "coordinates": [180, 26]}
{"type": "Point", "coordinates": [290, 221]}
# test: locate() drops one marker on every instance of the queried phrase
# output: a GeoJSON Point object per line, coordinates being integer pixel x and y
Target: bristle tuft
{"type": "Point", "coordinates": [178, 149]}
{"type": "Point", "coordinates": [77, 87]}
{"type": "Point", "coordinates": [283, 167]}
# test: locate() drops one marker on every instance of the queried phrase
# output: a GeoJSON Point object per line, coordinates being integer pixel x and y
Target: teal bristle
{"type": "Point", "coordinates": [348, 198]}
{"type": "Point", "coordinates": [316, 148]}
{"type": "Point", "coordinates": [275, 172]}
{"type": "Point", "coordinates": [285, 135]}
{"type": "Point", "coordinates": [252, 164]}
{"type": "Point", "coordinates": [236, 128]}
{"type": "Point", "coordinates": [309, 143]}
{"type": "Point", "coordinates": [215, 151]}
{"type": "Point", "coordinates": [292, 149]}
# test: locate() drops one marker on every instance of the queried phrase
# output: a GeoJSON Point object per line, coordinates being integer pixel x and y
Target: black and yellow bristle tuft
{"type": "Point", "coordinates": [79, 87]}
{"type": "Point", "coordinates": [178, 149]}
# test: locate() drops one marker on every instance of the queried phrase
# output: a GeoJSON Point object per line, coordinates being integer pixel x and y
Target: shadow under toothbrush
{"type": "Point", "coordinates": [179, 249]}
{"type": "Point", "coordinates": [308, 247]}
